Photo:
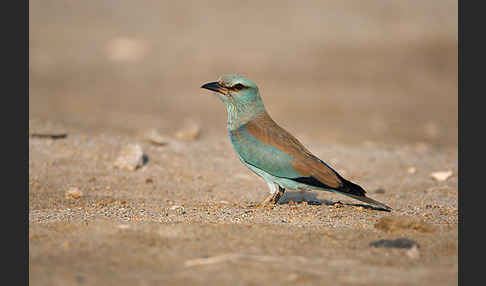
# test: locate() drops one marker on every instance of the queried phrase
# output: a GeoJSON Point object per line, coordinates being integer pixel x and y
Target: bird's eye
{"type": "Point", "coordinates": [238, 86]}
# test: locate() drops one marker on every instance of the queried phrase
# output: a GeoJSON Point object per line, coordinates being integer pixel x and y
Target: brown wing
{"type": "Point", "coordinates": [269, 133]}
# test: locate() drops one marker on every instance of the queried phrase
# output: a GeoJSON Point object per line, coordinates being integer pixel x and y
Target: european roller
{"type": "Point", "coordinates": [273, 153]}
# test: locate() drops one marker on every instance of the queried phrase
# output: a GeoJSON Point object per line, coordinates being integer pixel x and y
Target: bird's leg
{"type": "Point", "coordinates": [278, 195]}
{"type": "Point", "coordinates": [273, 197]}
{"type": "Point", "coordinates": [265, 202]}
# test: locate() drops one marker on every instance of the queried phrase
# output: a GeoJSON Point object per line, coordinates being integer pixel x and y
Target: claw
{"type": "Point", "coordinates": [271, 200]}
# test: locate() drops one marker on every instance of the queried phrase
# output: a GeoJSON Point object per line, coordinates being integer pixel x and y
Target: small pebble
{"type": "Point", "coordinates": [46, 129]}
{"type": "Point", "coordinates": [395, 243]}
{"type": "Point", "coordinates": [130, 158]}
{"type": "Point", "coordinates": [441, 176]}
{"type": "Point", "coordinates": [189, 132]}
{"type": "Point", "coordinates": [73, 193]}
{"type": "Point", "coordinates": [154, 137]}
{"type": "Point", "coordinates": [411, 170]}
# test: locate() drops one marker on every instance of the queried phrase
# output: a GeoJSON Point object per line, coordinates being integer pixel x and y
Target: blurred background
{"type": "Point", "coordinates": [344, 72]}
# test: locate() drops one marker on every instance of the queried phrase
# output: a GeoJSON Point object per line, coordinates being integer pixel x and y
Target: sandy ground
{"type": "Point", "coordinates": [372, 90]}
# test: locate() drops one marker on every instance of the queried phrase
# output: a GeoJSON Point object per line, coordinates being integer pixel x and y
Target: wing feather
{"type": "Point", "coordinates": [266, 131]}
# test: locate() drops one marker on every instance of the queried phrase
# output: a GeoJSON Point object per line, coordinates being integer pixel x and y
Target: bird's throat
{"type": "Point", "coordinates": [239, 115]}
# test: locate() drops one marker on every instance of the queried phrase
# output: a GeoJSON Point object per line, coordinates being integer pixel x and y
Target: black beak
{"type": "Point", "coordinates": [215, 86]}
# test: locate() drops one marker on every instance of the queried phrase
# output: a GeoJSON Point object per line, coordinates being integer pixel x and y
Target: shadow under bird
{"type": "Point", "coordinates": [272, 152]}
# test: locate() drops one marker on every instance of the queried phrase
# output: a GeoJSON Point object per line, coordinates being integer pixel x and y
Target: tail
{"type": "Point", "coordinates": [356, 192]}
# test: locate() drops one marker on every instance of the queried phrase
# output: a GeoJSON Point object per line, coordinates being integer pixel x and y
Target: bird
{"type": "Point", "coordinates": [271, 152]}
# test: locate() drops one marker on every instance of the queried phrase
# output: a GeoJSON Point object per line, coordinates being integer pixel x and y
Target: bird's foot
{"type": "Point", "coordinates": [268, 201]}
{"type": "Point", "coordinates": [260, 206]}
{"type": "Point", "coordinates": [271, 200]}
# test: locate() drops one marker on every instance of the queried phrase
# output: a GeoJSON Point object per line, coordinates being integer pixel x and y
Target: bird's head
{"type": "Point", "coordinates": [236, 92]}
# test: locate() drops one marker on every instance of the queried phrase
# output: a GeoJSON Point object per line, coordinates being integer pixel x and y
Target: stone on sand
{"type": "Point", "coordinates": [131, 157]}
{"type": "Point", "coordinates": [441, 176]}
{"type": "Point", "coordinates": [395, 243]}
{"type": "Point", "coordinates": [73, 193]}
{"type": "Point", "coordinates": [154, 137]}
{"type": "Point", "coordinates": [46, 129]}
{"type": "Point", "coordinates": [189, 132]}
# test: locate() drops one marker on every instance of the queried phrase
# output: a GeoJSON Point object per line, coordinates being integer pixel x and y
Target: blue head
{"type": "Point", "coordinates": [241, 97]}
